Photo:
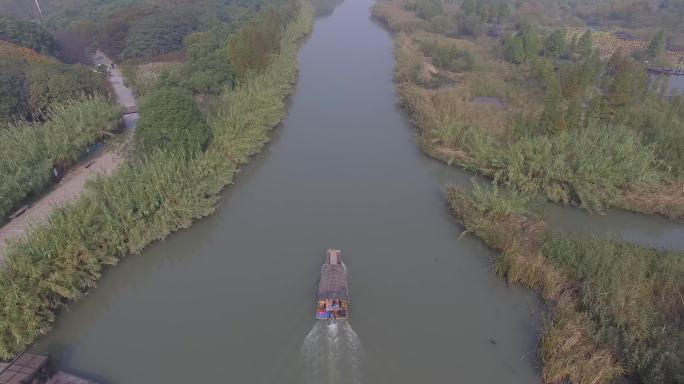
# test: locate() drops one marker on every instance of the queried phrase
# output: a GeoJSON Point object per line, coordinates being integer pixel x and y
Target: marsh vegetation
{"type": "Point", "coordinates": [571, 124]}
{"type": "Point", "coordinates": [615, 309]}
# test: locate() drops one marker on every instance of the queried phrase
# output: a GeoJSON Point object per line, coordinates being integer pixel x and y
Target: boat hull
{"type": "Point", "coordinates": [332, 299]}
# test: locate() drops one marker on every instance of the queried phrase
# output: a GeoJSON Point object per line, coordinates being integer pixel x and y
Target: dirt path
{"type": "Point", "coordinates": [73, 182]}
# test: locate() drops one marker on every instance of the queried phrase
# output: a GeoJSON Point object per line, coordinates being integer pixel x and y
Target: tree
{"type": "Point", "coordinates": [572, 48]}
{"type": "Point", "coordinates": [470, 25]}
{"type": "Point", "coordinates": [443, 24]}
{"type": "Point", "coordinates": [627, 81]}
{"type": "Point", "coordinates": [170, 121]}
{"type": "Point", "coordinates": [469, 6]}
{"type": "Point", "coordinates": [531, 42]}
{"type": "Point", "coordinates": [12, 92]}
{"type": "Point", "coordinates": [514, 49]}
{"type": "Point", "coordinates": [573, 116]}
{"type": "Point", "coordinates": [552, 119]}
{"type": "Point", "coordinates": [26, 34]}
{"type": "Point", "coordinates": [252, 47]}
{"type": "Point", "coordinates": [585, 44]}
{"type": "Point", "coordinates": [427, 9]}
{"type": "Point", "coordinates": [503, 11]}
{"type": "Point", "coordinates": [657, 45]}
{"type": "Point", "coordinates": [554, 45]}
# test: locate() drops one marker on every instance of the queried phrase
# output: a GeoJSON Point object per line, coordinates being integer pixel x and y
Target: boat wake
{"type": "Point", "coordinates": [332, 353]}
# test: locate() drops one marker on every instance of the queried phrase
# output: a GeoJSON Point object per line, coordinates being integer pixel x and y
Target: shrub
{"type": "Point", "coordinates": [26, 34]}
{"type": "Point", "coordinates": [427, 9]}
{"type": "Point", "coordinates": [170, 120]}
{"type": "Point", "coordinates": [448, 57]}
{"type": "Point", "coordinates": [497, 201]}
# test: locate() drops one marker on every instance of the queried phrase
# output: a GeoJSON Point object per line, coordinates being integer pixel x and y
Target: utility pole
{"type": "Point", "coordinates": [40, 11]}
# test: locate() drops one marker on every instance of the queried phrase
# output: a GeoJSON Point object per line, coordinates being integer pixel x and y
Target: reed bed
{"type": "Point", "coordinates": [144, 201]}
{"type": "Point", "coordinates": [31, 150]}
{"type": "Point", "coordinates": [615, 309]}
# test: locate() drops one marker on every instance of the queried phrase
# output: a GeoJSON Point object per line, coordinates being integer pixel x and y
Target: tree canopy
{"type": "Point", "coordinates": [170, 121]}
{"type": "Point", "coordinates": [26, 34]}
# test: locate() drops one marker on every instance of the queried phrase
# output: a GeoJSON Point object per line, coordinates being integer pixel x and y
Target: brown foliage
{"type": "Point", "coordinates": [566, 348]}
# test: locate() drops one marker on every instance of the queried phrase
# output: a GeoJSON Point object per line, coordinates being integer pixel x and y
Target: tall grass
{"type": "Point", "coordinates": [497, 201]}
{"type": "Point", "coordinates": [589, 167]}
{"type": "Point", "coordinates": [634, 295]}
{"type": "Point", "coordinates": [31, 150]}
{"type": "Point", "coordinates": [614, 308]}
{"type": "Point", "coordinates": [141, 203]}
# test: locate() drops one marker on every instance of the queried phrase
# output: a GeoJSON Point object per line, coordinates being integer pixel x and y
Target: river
{"type": "Point", "coordinates": [676, 83]}
{"type": "Point", "coordinates": [231, 298]}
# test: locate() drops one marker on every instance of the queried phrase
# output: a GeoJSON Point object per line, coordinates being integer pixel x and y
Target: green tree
{"type": "Point", "coordinates": [443, 24]}
{"type": "Point", "coordinates": [252, 47]}
{"type": "Point", "coordinates": [585, 44]}
{"type": "Point", "coordinates": [161, 32]}
{"type": "Point", "coordinates": [531, 41]}
{"type": "Point", "coordinates": [26, 34]}
{"type": "Point", "coordinates": [573, 115]}
{"type": "Point", "coordinates": [170, 120]}
{"type": "Point", "coordinates": [470, 25]}
{"type": "Point", "coordinates": [554, 45]}
{"type": "Point", "coordinates": [206, 68]}
{"type": "Point", "coordinates": [627, 81]}
{"type": "Point", "coordinates": [552, 118]}
{"type": "Point", "coordinates": [427, 9]}
{"type": "Point", "coordinates": [503, 11]}
{"type": "Point", "coordinates": [657, 45]}
{"type": "Point", "coordinates": [469, 6]}
{"type": "Point", "coordinates": [12, 92]}
{"type": "Point", "coordinates": [514, 49]}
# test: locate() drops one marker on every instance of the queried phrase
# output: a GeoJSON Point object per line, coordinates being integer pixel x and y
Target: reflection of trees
{"type": "Point", "coordinates": [325, 7]}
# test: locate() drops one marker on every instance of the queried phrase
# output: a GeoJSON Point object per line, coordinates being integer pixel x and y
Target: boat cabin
{"type": "Point", "coordinates": [332, 301]}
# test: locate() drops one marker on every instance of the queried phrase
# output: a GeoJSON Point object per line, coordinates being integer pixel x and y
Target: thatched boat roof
{"type": "Point", "coordinates": [333, 283]}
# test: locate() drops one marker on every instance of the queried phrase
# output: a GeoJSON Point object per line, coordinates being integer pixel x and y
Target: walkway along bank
{"type": "Point", "coordinates": [72, 184]}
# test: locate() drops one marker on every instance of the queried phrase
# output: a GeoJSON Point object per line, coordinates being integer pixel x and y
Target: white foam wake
{"type": "Point", "coordinates": [332, 354]}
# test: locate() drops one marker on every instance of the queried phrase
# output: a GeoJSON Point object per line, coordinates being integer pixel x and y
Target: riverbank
{"type": "Point", "coordinates": [614, 308]}
{"type": "Point", "coordinates": [518, 123]}
{"type": "Point", "coordinates": [121, 214]}
{"type": "Point", "coordinates": [74, 180]}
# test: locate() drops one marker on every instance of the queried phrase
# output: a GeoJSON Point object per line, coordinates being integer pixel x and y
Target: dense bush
{"type": "Point", "coordinates": [253, 47]}
{"type": "Point", "coordinates": [448, 57]}
{"type": "Point", "coordinates": [206, 68]}
{"type": "Point", "coordinates": [26, 34]}
{"type": "Point", "coordinates": [170, 121]}
{"type": "Point", "coordinates": [31, 84]}
{"type": "Point", "coordinates": [31, 150]}
{"type": "Point", "coordinates": [13, 91]}
{"type": "Point", "coordinates": [427, 9]}
{"type": "Point", "coordinates": [161, 32]}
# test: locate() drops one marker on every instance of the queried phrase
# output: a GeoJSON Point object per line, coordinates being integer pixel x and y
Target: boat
{"type": "Point", "coordinates": [332, 300]}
